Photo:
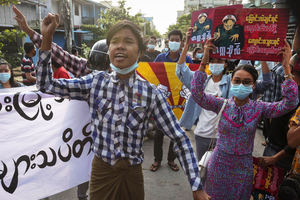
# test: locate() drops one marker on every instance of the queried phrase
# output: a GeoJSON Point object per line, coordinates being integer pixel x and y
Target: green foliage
{"type": "Point", "coordinates": [9, 48]}
{"type": "Point", "coordinates": [98, 33]}
{"type": "Point", "coordinates": [183, 23]}
{"type": "Point", "coordinates": [8, 2]}
{"type": "Point", "coordinates": [113, 15]}
{"type": "Point", "coordinates": [86, 50]}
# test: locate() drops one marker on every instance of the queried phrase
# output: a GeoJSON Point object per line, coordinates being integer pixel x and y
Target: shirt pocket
{"type": "Point", "coordinates": [105, 111]}
{"type": "Point", "coordinates": [137, 115]}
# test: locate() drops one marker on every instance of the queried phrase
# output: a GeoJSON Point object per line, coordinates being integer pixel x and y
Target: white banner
{"type": "Point", "coordinates": [45, 145]}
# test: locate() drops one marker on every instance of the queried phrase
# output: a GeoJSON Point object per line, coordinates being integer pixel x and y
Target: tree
{"type": "Point", "coordinates": [67, 23]}
{"type": "Point", "coordinates": [8, 2]}
{"type": "Point", "coordinates": [9, 48]}
{"type": "Point", "coordinates": [113, 15]}
{"type": "Point", "coordinates": [183, 22]}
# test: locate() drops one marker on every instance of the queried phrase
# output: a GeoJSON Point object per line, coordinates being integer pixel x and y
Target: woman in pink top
{"type": "Point", "coordinates": [230, 170]}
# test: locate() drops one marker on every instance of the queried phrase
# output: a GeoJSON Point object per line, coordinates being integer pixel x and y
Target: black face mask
{"type": "Point", "coordinates": [98, 60]}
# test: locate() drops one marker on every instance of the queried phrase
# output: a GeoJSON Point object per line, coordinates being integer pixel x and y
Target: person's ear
{"type": "Point", "coordinates": [254, 86]}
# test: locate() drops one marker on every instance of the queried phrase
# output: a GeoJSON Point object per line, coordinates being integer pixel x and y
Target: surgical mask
{"type": "Point", "coordinates": [199, 55]}
{"type": "Point", "coordinates": [151, 46]}
{"type": "Point", "coordinates": [240, 91]}
{"type": "Point", "coordinates": [216, 68]}
{"type": "Point", "coordinates": [4, 77]}
{"type": "Point", "coordinates": [166, 49]}
{"type": "Point", "coordinates": [125, 70]}
{"type": "Point", "coordinates": [174, 46]}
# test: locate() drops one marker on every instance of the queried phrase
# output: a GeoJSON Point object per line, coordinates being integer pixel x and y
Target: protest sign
{"type": "Point", "coordinates": [240, 33]}
{"type": "Point", "coordinates": [202, 22]}
{"type": "Point", "coordinates": [250, 34]}
{"type": "Point", "coordinates": [45, 145]}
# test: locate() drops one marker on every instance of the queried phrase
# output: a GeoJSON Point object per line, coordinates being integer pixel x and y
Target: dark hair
{"type": "Point", "coordinates": [175, 32]}
{"type": "Point", "coordinates": [74, 50]}
{"type": "Point", "coordinates": [125, 24]}
{"type": "Point", "coordinates": [153, 37]}
{"type": "Point", "coordinates": [28, 47]}
{"type": "Point", "coordinates": [55, 64]}
{"type": "Point", "coordinates": [195, 50]}
{"type": "Point", "coordinates": [248, 68]}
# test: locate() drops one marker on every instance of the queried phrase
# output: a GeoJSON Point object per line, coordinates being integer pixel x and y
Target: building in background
{"type": "Point", "coordinates": [82, 12]}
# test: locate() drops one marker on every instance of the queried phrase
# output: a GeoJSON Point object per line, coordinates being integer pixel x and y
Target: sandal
{"type": "Point", "coordinates": [173, 166]}
{"type": "Point", "coordinates": [154, 167]}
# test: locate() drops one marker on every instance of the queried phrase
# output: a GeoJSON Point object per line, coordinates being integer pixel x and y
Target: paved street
{"type": "Point", "coordinates": [163, 184]}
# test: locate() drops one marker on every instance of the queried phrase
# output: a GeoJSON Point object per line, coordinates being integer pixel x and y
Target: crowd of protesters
{"type": "Point", "coordinates": [232, 89]}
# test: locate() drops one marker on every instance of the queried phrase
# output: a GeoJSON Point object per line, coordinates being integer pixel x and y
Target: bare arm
{"type": "Point", "coordinates": [21, 20]}
{"type": "Point", "coordinates": [264, 67]}
{"type": "Point", "coordinates": [296, 42]}
{"type": "Point", "coordinates": [29, 77]}
{"type": "Point", "coordinates": [293, 136]}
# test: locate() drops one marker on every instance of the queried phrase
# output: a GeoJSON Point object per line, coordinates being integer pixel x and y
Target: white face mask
{"type": "Point", "coordinates": [125, 70]}
{"type": "Point", "coordinates": [216, 68]}
{"type": "Point", "coordinates": [174, 46]}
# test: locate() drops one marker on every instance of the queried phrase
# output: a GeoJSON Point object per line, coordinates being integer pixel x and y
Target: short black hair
{"type": "Point", "coordinates": [248, 68]}
{"type": "Point", "coordinates": [175, 32]}
{"type": "Point", "coordinates": [28, 47]}
{"type": "Point", "coordinates": [74, 50]}
{"type": "Point", "coordinates": [153, 37]}
{"type": "Point", "coordinates": [126, 24]}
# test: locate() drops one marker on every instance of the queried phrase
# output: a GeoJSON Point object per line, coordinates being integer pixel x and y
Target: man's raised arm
{"type": "Point", "coordinates": [74, 64]}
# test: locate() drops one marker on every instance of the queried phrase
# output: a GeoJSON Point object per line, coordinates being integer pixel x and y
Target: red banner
{"type": "Point", "coordinates": [247, 34]}
{"type": "Point", "coordinates": [250, 34]}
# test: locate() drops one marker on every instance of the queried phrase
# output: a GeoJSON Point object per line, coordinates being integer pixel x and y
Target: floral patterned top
{"type": "Point", "coordinates": [238, 124]}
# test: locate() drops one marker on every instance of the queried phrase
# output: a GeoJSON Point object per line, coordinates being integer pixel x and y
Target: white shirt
{"type": "Point", "coordinates": [207, 119]}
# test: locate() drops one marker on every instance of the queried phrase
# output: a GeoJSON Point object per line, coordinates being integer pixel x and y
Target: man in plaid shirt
{"type": "Point", "coordinates": [120, 105]}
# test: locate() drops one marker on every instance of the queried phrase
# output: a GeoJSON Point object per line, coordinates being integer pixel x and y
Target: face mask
{"type": "Point", "coordinates": [174, 46]}
{"type": "Point", "coordinates": [125, 70]}
{"type": "Point", "coordinates": [4, 77]}
{"type": "Point", "coordinates": [166, 49]}
{"type": "Point", "coordinates": [151, 46]}
{"type": "Point", "coordinates": [199, 55]}
{"type": "Point", "coordinates": [256, 63]}
{"type": "Point", "coordinates": [240, 91]}
{"type": "Point", "coordinates": [216, 68]}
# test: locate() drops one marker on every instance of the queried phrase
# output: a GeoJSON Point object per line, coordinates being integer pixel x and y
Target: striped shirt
{"type": "Point", "coordinates": [27, 66]}
{"type": "Point", "coordinates": [120, 112]}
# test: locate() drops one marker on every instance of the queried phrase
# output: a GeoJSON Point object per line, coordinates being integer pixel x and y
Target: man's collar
{"type": "Point", "coordinates": [130, 81]}
{"type": "Point", "coordinates": [168, 55]}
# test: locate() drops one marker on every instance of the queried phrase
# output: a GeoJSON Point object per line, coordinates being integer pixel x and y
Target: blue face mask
{"type": "Point", "coordinates": [240, 91]}
{"type": "Point", "coordinates": [174, 46]}
{"type": "Point", "coordinates": [166, 49]}
{"type": "Point", "coordinates": [4, 77]}
{"type": "Point", "coordinates": [216, 68]}
{"type": "Point", "coordinates": [125, 70]}
{"type": "Point", "coordinates": [199, 55]}
{"type": "Point", "coordinates": [151, 46]}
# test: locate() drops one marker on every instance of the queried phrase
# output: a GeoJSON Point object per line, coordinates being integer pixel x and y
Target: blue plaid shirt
{"type": "Point", "coordinates": [273, 94]}
{"type": "Point", "coordinates": [120, 112]}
